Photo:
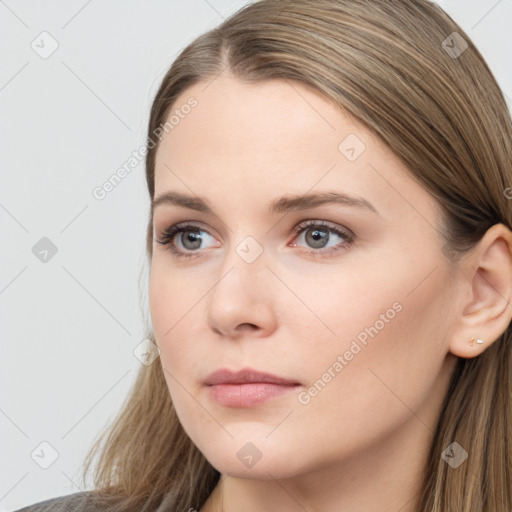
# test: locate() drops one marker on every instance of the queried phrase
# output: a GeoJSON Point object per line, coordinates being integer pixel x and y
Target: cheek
{"type": "Point", "coordinates": [170, 306]}
{"type": "Point", "coordinates": [172, 301]}
{"type": "Point", "coordinates": [334, 306]}
{"type": "Point", "coordinates": [386, 358]}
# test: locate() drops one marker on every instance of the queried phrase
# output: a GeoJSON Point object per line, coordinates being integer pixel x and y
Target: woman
{"type": "Point", "coordinates": [331, 272]}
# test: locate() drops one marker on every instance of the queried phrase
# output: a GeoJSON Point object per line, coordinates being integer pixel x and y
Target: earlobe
{"type": "Point", "coordinates": [478, 341]}
{"type": "Point", "coordinates": [487, 312]}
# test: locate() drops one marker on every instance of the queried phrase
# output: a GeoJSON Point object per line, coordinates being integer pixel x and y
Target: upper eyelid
{"type": "Point", "coordinates": [315, 222]}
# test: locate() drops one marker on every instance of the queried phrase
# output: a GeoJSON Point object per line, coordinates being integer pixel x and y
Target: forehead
{"type": "Point", "coordinates": [260, 139]}
{"type": "Point", "coordinates": [236, 119]}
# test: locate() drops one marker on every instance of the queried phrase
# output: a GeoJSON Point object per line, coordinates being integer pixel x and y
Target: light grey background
{"type": "Point", "coordinates": [68, 122]}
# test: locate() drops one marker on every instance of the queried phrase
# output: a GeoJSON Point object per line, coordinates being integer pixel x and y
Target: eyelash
{"type": "Point", "coordinates": [169, 234]}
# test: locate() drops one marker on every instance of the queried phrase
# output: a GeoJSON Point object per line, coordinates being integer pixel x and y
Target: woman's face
{"type": "Point", "coordinates": [348, 300]}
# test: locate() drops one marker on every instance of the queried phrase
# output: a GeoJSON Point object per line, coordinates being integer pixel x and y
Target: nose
{"type": "Point", "coordinates": [241, 302]}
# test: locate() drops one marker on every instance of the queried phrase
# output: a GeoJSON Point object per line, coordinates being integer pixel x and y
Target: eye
{"type": "Point", "coordinates": [190, 239]}
{"type": "Point", "coordinates": [318, 234]}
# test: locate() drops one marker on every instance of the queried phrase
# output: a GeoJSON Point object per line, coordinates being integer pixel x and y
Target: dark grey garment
{"type": "Point", "coordinates": [84, 502]}
{"type": "Point", "coordinates": [77, 502]}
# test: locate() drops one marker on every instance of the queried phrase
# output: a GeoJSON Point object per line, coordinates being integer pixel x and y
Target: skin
{"type": "Point", "coordinates": [360, 444]}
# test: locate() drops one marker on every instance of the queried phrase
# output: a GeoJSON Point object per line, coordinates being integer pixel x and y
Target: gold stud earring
{"type": "Point", "coordinates": [473, 340]}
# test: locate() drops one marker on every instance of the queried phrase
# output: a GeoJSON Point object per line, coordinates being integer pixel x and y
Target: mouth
{"type": "Point", "coordinates": [247, 387]}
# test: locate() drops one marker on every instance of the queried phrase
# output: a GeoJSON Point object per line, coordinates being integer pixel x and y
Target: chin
{"type": "Point", "coordinates": [261, 459]}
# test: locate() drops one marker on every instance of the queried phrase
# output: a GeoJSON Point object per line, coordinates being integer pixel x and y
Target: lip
{"type": "Point", "coordinates": [245, 376]}
{"type": "Point", "coordinates": [247, 387]}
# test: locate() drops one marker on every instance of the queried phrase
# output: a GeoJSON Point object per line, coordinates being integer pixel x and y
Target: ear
{"type": "Point", "coordinates": [487, 287]}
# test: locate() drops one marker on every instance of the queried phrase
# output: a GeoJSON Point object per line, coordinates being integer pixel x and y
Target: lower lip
{"type": "Point", "coordinates": [247, 395]}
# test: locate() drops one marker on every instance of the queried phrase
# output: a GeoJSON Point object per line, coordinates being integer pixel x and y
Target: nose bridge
{"type": "Point", "coordinates": [240, 295]}
{"type": "Point", "coordinates": [242, 268]}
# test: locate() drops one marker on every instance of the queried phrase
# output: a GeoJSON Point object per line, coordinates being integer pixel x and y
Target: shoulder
{"type": "Point", "coordinates": [76, 502]}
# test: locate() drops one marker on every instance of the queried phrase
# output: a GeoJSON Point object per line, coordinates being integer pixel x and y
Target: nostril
{"type": "Point", "coordinates": [247, 327]}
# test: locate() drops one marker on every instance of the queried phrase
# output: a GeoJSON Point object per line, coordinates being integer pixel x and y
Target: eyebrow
{"type": "Point", "coordinates": [283, 204]}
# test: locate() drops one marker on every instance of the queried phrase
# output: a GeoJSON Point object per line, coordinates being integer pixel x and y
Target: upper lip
{"type": "Point", "coordinates": [244, 376]}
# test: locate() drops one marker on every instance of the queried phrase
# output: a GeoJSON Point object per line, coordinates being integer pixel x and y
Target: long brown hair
{"type": "Point", "coordinates": [413, 77]}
